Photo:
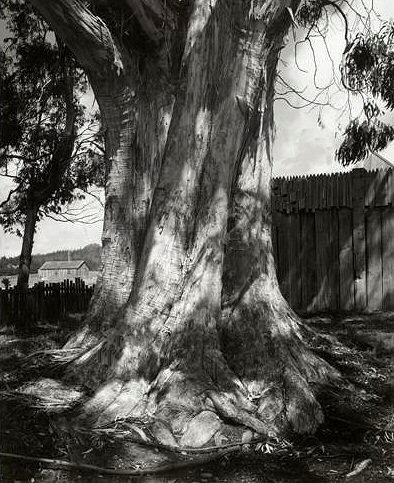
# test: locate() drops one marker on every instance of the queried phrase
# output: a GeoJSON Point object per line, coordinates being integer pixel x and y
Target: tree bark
{"type": "Point", "coordinates": [190, 326]}
{"type": "Point", "coordinates": [260, 334]}
{"type": "Point", "coordinates": [27, 247]}
{"type": "Point", "coordinates": [136, 132]}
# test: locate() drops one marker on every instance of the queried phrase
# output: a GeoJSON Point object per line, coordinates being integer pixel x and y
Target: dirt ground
{"type": "Point", "coordinates": [356, 443]}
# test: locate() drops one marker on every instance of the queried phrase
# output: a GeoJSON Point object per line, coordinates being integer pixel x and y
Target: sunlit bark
{"type": "Point", "coordinates": [188, 317]}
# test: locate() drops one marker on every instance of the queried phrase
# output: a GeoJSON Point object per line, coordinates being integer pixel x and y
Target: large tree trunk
{"type": "Point", "coordinates": [189, 324]}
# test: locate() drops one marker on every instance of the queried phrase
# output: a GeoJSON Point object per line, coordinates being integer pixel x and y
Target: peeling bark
{"type": "Point", "coordinates": [136, 131]}
{"type": "Point", "coordinates": [191, 328]}
{"type": "Point", "coordinates": [260, 334]}
{"type": "Point", "coordinates": [85, 34]}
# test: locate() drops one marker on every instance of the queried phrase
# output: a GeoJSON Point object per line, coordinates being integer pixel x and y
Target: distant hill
{"type": "Point", "coordinates": [90, 253]}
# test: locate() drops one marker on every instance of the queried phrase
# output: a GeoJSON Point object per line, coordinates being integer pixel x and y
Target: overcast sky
{"type": "Point", "coordinates": [306, 139]}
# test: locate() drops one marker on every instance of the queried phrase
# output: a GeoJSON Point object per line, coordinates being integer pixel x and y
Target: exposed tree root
{"type": "Point", "coordinates": [264, 346]}
{"type": "Point", "coordinates": [194, 384]}
{"type": "Point", "coordinates": [180, 410]}
{"type": "Point", "coordinates": [166, 468]}
{"type": "Point", "coordinates": [191, 408]}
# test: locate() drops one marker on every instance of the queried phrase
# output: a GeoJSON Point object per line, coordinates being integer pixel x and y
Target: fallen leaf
{"type": "Point", "coordinates": [359, 468]}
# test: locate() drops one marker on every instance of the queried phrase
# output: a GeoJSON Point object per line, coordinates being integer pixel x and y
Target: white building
{"type": "Point", "coordinates": [59, 271]}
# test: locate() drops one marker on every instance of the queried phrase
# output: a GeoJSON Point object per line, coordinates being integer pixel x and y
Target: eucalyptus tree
{"type": "Point", "coordinates": [49, 143]}
{"type": "Point", "coordinates": [368, 70]}
{"type": "Point", "coordinates": [188, 325]}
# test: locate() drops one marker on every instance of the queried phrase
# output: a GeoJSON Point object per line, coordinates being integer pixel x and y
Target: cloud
{"type": "Point", "coordinates": [301, 145]}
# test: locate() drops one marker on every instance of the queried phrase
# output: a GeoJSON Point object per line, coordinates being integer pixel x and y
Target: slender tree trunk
{"type": "Point", "coordinates": [27, 247]}
{"type": "Point", "coordinates": [190, 326]}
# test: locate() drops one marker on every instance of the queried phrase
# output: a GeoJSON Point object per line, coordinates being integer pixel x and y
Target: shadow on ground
{"type": "Point", "coordinates": [359, 425]}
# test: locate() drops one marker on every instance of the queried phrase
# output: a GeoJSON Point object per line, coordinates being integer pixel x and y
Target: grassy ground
{"type": "Point", "coordinates": [358, 435]}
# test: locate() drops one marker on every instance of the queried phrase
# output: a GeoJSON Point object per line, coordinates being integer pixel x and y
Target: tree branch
{"type": "Point", "coordinates": [85, 34]}
{"type": "Point", "coordinates": [97, 198]}
{"type": "Point", "coordinates": [11, 176]}
{"type": "Point", "coordinates": [7, 200]}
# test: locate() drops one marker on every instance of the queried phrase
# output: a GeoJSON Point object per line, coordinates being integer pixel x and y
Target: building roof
{"type": "Point", "coordinates": [49, 265]}
{"type": "Point", "coordinates": [377, 161]}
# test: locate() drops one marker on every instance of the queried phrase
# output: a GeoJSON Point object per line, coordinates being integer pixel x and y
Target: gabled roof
{"type": "Point", "coordinates": [62, 264]}
{"type": "Point", "coordinates": [377, 161]}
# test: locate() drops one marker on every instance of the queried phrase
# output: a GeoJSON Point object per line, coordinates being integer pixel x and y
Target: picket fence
{"type": "Point", "coordinates": [43, 302]}
{"type": "Point", "coordinates": [333, 238]}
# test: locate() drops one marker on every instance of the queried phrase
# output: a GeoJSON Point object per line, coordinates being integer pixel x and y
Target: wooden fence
{"type": "Point", "coordinates": [43, 302]}
{"type": "Point", "coordinates": [333, 240]}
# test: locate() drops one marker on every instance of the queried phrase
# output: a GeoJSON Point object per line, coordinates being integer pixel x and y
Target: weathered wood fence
{"type": "Point", "coordinates": [333, 238]}
{"type": "Point", "coordinates": [43, 302]}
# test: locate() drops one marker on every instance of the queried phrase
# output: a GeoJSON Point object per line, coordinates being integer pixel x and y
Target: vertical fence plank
{"type": "Point", "coordinates": [358, 195]}
{"type": "Point", "coordinates": [386, 187]}
{"type": "Point", "coordinates": [346, 268]}
{"type": "Point", "coordinates": [390, 187]}
{"type": "Point", "coordinates": [341, 191]}
{"type": "Point", "coordinates": [323, 289]}
{"type": "Point", "coordinates": [374, 259]}
{"type": "Point", "coordinates": [308, 260]}
{"type": "Point", "coordinates": [370, 182]}
{"type": "Point", "coordinates": [380, 196]}
{"type": "Point", "coordinates": [309, 194]}
{"type": "Point", "coordinates": [388, 258]}
{"type": "Point", "coordinates": [294, 252]}
{"type": "Point", "coordinates": [283, 263]}
{"type": "Point", "coordinates": [274, 240]}
{"type": "Point", "coordinates": [333, 273]}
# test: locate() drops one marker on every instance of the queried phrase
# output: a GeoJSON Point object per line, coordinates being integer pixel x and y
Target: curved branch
{"type": "Point", "coordinates": [299, 93]}
{"type": "Point", "coordinates": [96, 197]}
{"type": "Point", "coordinates": [84, 220]}
{"type": "Point", "coordinates": [11, 192]}
{"type": "Point", "coordinates": [85, 34]}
